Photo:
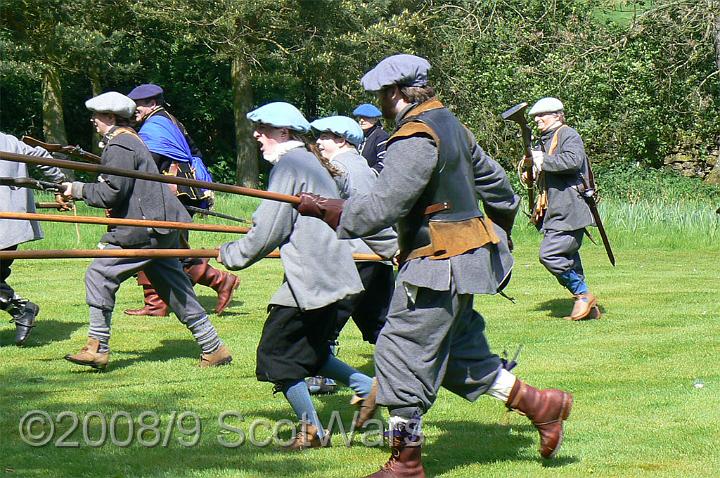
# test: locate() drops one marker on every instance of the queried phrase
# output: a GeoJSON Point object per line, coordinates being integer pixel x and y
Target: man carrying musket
{"type": "Point", "coordinates": [135, 199]}
{"type": "Point", "coordinates": [435, 174]}
{"type": "Point", "coordinates": [562, 214]}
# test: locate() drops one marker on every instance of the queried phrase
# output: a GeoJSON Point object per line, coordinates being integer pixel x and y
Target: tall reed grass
{"type": "Point", "coordinates": [657, 223]}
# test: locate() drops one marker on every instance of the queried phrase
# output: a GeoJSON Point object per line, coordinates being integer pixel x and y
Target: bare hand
{"type": "Point", "coordinates": [67, 190]}
{"type": "Point", "coordinates": [63, 205]}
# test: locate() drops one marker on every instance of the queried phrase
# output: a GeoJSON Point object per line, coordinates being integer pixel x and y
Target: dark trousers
{"type": "Point", "coordinates": [368, 308]}
{"type": "Point", "coordinates": [294, 343]}
{"type": "Point", "coordinates": [6, 292]}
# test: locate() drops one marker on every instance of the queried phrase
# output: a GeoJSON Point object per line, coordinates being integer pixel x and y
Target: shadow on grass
{"type": "Point", "coordinates": [463, 443]}
{"type": "Point", "coordinates": [555, 307]}
{"type": "Point", "coordinates": [209, 302]}
{"type": "Point", "coordinates": [68, 454]}
{"type": "Point", "coordinates": [45, 332]}
{"type": "Point", "coordinates": [559, 308]}
{"type": "Point", "coordinates": [168, 350]}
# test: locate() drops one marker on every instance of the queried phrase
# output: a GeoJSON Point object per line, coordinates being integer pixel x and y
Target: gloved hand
{"type": "Point", "coordinates": [538, 157]}
{"type": "Point", "coordinates": [327, 209]}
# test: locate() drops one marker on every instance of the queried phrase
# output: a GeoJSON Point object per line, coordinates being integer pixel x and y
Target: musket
{"type": "Point", "coordinates": [113, 221]}
{"type": "Point", "coordinates": [160, 178]}
{"type": "Point", "coordinates": [76, 151]}
{"type": "Point", "coordinates": [208, 212]}
{"type": "Point", "coordinates": [146, 253]}
{"type": "Point", "coordinates": [32, 184]}
{"type": "Point", "coordinates": [517, 114]}
{"type": "Point", "coordinates": [589, 197]}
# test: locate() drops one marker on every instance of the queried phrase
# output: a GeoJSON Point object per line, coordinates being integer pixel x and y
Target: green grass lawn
{"type": "Point", "coordinates": [638, 411]}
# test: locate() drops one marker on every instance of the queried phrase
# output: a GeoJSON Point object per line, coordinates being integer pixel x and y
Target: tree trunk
{"type": "Point", "coordinates": [716, 31]}
{"type": "Point", "coordinates": [96, 86]}
{"type": "Point", "coordinates": [53, 119]}
{"type": "Point", "coordinates": [247, 157]}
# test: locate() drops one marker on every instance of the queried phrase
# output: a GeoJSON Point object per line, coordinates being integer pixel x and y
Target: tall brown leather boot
{"type": "Point", "coordinates": [154, 305]}
{"type": "Point", "coordinates": [546, 409]}
{"type": "Point", "coordinates": [405, 460]}
{"type": "Point", "coordinates": [221, 282]}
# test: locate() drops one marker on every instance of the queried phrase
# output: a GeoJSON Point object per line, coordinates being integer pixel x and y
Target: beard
{"type": "Point", "coordinates": [387, 106]}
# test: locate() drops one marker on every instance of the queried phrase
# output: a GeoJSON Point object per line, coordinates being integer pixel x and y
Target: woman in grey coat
{"type": "Point", "coordinates": [319, 272]}
{"type": "Point", "coordinates": [13, 232]}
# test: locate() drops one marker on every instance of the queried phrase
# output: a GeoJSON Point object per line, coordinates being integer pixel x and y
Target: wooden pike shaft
{"type": "Point", "coordinates": [152, 253]}
{"type": "Point", "coordinates": [160, 178]}
{"type": "Point", "coordinates": [111, 221]}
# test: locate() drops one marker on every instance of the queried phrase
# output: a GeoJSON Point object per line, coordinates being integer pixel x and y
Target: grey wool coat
{"type": "Point", "coordinates": [409, 165]}
{"type": "Point", "coordinates": [564, 171]}
{"type": "Point", "coordinates": [319, 269]}
{"type": "Point", "coordinates": [130, 198]}
{"type": "Point", "coordinates": [14, 232]}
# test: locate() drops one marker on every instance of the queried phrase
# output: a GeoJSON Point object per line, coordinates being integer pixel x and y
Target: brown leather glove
{"type": "Point", "coordinates": [327, 209]}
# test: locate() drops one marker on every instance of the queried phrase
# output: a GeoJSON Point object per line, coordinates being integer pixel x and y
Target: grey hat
{"type": "Point", "coordinates": [401, 70]}
{"type": "Point", "coordinates": [112, 102]}
{"type": "Point", "coordinates": [546, 105]}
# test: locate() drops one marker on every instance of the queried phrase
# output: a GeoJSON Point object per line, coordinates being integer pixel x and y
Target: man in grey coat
{"type": "Point", "coordinates": [563, 174]}
{"type": "Point", "coordinates": [433, 177]}
{"type": "Point", "coordinates": [14, 233]}
{"type": "Point", "coordinates": [130, 198]}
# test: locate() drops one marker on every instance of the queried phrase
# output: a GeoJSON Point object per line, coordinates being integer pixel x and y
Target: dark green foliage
{"type": "Point", "coordinates": [638, 78]}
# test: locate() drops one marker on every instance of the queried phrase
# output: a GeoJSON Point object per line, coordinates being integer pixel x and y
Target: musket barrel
{"type": "Point", "coordinates": [111, 221]}
{"type": "Point", "coordinates": [161, 178]}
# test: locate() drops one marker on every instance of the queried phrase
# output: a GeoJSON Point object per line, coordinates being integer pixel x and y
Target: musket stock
{"type": "Point", "coordinates": [517, 114]}
{"type": "Point", "coordinates": [76, 151]}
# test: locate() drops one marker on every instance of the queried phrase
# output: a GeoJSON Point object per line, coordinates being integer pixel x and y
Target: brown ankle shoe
{"type": "Point", "coordinates": [584, 304]}
{"type": "Point", "coordinates": [367, 406]}
{"type": "Point", "coordinates": [220, 357]}
{"type": "Point", "coordinates": [154, 305]}
{"type": "Point", "coordinates": [546, 409]}
{"type": "Point", "coordinates": [306, 438]}
{"type": "Point", "coordinates": [90, 356]}
{"type": "Point", "coordinates": [221, 282]}
{"type": "Point", "coordinates": [405, 460]}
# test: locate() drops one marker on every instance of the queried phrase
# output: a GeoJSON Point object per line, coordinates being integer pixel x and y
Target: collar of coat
{"type": "Point", "coordinates": [414, 110]}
